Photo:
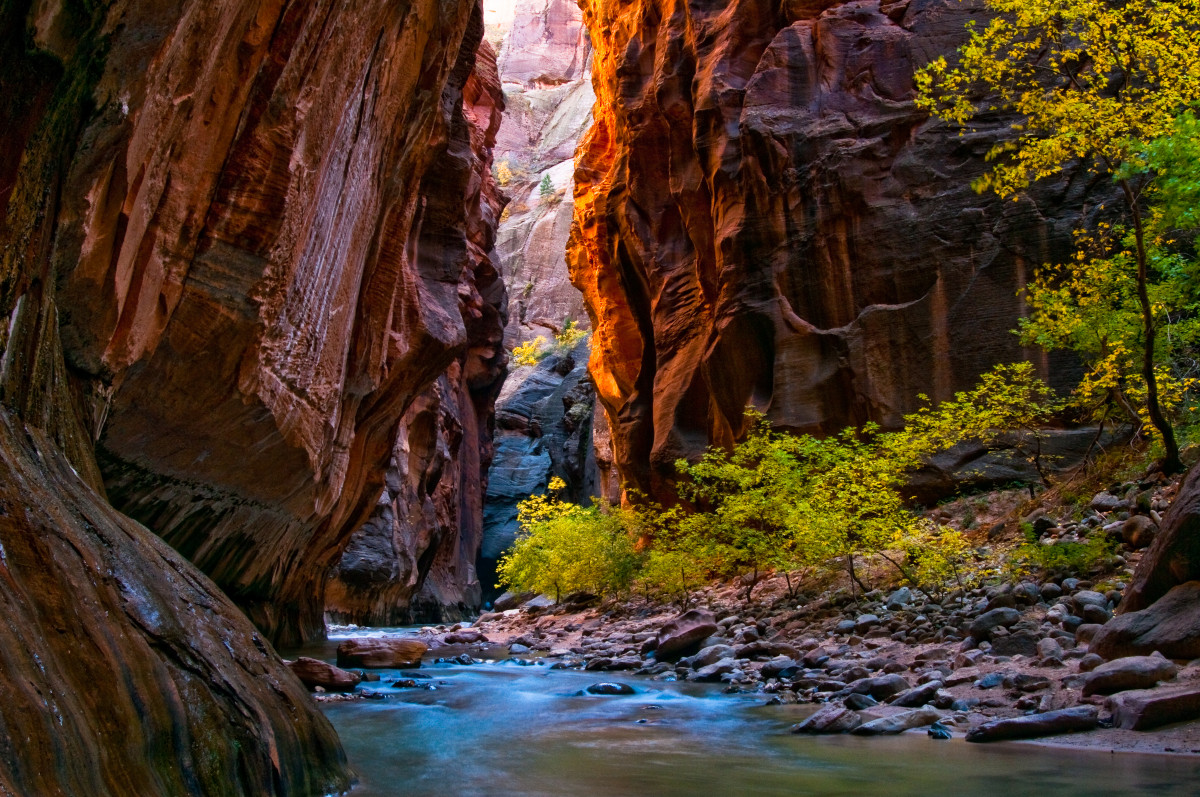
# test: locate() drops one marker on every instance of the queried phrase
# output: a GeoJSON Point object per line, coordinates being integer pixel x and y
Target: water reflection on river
{"type": "Point", "coordinates": [504, 729]}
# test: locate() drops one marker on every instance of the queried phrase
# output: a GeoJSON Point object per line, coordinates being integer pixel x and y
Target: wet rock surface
{"type": "Point", "coordinates": [125, 668]}
{"type": "Point", "coordinates": [315, 673]}
{"type": "Point", "coordinates": [381, 653]}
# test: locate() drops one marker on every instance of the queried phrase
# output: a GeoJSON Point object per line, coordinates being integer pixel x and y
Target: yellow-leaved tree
{"type": "Point", "coordinates": [1092, 82]}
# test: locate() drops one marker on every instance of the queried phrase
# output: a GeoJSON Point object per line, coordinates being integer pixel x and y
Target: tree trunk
{"type": "Point", "coordinates": [1171, 462]}
{"type": "Point", "coordinates": [853, 575]}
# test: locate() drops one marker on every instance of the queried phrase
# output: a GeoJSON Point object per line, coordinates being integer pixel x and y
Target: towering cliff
{"type": "Point", "coordinates": [414, 559]}
{"type": "Point", "coordinates": [254, 231]}
{"type": "Point", "coordinates": [763, 217]}
{"type": "Point", "coordinates": [241, 242]}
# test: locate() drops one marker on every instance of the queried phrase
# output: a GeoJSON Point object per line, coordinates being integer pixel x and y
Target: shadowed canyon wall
{"type": "Point", "coordinates": [414, 559]}
{"type": "Point", "coordinates": [257, 242]}
{"type": "Point", "coordinates": [763, 217]}
{"type": "Point", "coordinates": [241, 242]}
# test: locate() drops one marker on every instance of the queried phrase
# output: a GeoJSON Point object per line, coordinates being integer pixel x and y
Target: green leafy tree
{"type": "Point", "coordinates": [563, 547]}
{"type": "Point", "coordinates": [780, 501]}
{"type": "Point", "coordinates": [546, 188]}
{"type": "Point", "coordinates": [1092, 81]}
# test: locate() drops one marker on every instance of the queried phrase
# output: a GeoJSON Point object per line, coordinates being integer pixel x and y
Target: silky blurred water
{"type": "Point", "coordinates": [503, 729]}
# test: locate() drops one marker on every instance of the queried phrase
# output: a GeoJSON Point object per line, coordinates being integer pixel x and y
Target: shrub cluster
{"type": "Point", "coordinates": [777, 502]}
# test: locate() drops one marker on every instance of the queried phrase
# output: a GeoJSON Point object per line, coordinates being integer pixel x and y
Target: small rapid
{"type": "Point", "coordinates": [500, 727]}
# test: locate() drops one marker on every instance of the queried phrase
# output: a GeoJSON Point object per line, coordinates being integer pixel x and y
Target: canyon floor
{"type": "Point", "coordinates": [836, 660]}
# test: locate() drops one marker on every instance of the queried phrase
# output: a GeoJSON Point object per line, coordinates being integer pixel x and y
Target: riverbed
{"type": "Point", "coordinates": [500, 728]}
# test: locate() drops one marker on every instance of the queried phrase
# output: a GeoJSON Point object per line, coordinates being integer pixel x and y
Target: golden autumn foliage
{"type": "Point", "coordinates": [1094, 82]}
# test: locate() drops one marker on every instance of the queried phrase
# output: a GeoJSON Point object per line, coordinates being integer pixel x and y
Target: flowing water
{"type": "Point", "coordinates": [504, 729]}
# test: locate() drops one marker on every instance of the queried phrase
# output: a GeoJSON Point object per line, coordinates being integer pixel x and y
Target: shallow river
{"type": "Point", "coordinates": [505, 729]}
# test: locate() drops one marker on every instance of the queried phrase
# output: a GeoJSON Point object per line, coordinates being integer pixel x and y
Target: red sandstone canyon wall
{"type": "Point", "coordinates": [241, 241]}
{"type": "Point", "coordinates": [257, 245]}
{"type": "Point", "coordinates": [763, 217]}
{"type": "Point", "coordinates": [414, 559]}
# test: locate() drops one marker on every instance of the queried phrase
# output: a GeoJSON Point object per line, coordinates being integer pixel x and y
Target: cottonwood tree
{"type": "Point", "coordinates": [1092, 82]}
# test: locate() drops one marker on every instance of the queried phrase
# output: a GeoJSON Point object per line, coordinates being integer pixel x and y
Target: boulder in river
{"type": "Point", "coordinates": [1050, 723]}
{"type": "Point", "coordinates": [610, 688]}
{"type": "Point", "coordinates": [380, 653]}
{"type": "Point", "coordinates": [714, 671]}
{"type": "Point", "coordinates": [684, 634]}
{"type": "Point", "coordinates": [1170, 625]}
{"type": "Point", "coordinates": [898, 723]}
{"type": "Point", "coordinates": [1132, 672]}
{"type": "Point", "coordinates": [830, 718]}
{"type": "Point", "coordinates": [1144, 709]}
{"type": "Point", "coordinates": [314, 672]}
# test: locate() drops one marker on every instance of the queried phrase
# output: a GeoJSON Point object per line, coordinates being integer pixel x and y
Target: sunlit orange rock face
{"type": "Point", "coordinates": [763, 217]}
{"type": "Point", "coordinates": [247, 225]}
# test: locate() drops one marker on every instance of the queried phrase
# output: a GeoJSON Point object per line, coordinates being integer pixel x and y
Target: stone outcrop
{"type": "Point", "coordinates": [1174, 557]}
{"type": "Point", "coordinates": [1170, 625]}
{"type": "Point", "coordinates": [414, 559]}
{"type": "Point", "coordinates": [242, 244]}
{"type": "Point", "coordinates": [124, 670]}
{"type": "Point", "coordinates": [763, 217]}
{"type": "Point", "coordinates": [1146, 709]}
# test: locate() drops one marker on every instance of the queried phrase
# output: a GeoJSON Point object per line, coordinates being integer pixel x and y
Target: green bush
{"type": "Point", "coordinates": [1070, 557]}
{"type": "Point", "coordinates": [564, 548]}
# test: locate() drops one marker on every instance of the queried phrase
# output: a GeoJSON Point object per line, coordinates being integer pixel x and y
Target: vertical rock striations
{"type": "Point", "coordinates": [240, 242]}
{"type": "Point", "coordinates": [250, 227]}
{"type": "Point", "coordinates": [763, 217]}
{"type": "Point", "coordinates": [414, 559]}
{"type": "Point", "coordinates": [123, 670]}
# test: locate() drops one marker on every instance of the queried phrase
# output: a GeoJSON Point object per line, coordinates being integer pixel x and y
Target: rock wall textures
{"type": "Point", "coordinates": [241, 240]}
{"type": "Point", "coordinates": [763, 217]}
{"type": "Point", "coordinates": [545, 412]}
{"type": "Point", "coordinates": [1174, 556]}
{"type": "Point", "coordinates": [123, 669]}
{"type": "Point", "coordinates": [544, 428]}
{"type": "Point", "coordinates": [544, 65]}
{"type": "Point", "coordinates": [414, 559]}
{"type": "Point", "coordinates": [255, 234]}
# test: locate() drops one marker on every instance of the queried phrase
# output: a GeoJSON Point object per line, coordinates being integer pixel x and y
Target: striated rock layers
{"type": "Point", "coordinates": [545, 412]}
{"type": "Point", "coordinates": [763, 217]}
{"type": "Point", "coordinates": [545, 69]}
{"type": "Point", "coordinates": [414, 559]}
{"type": "Point", "coordinates": [250, 221]}
{"type": "Point", "coordinates": [123, 670]}
{"type": "Point", "coordinates": [238, 245]}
